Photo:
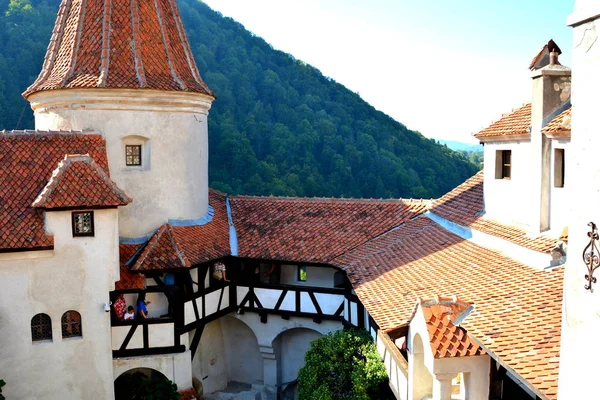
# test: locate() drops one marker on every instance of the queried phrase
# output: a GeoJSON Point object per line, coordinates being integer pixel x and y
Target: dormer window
{"type": "Point", "coordinates": [503, 164]}
{"type": "Point", "coordinates": [133, 155]}
{"type": "Point", "coordinates": [83, 223]}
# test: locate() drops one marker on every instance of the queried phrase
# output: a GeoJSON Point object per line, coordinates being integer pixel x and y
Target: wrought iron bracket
{"type": "Point", "coordinates": [591, 256]}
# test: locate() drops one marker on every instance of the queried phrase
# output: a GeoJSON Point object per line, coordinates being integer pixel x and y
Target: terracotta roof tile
{"type": "Point", "coordinates": [464, 206]}
{"type": "Point", "coordinates": [79, 182]}
{"type": "Point", "coordinates": [184, 246]}
{"type": "Point", "coordinates": [559, 124]}
{"type": "Point", "coordinates": [119, 44]}
{"type": "Point", "coordinates": [129, 280]}
{"type": "Point", "coordinates": [310, 229]}
{"type": "Point", "coordinates": [447, 339]}
{"type": "Point", "coordinates": [515, 123]}
{"type": "Point", "coordinates": [27, 159]}
{"type": "Point", "coordinates": [517, 317]}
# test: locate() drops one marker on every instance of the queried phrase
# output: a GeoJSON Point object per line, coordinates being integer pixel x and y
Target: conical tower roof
{"type": "Point", "coordinates": [119, 44]}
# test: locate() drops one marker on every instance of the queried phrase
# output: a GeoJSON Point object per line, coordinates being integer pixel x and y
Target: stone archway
{"type": "Point", "coordinates": [290, 347]}
{"type": "Point", "coordinates": [127, 383]}
{"type": "Point", "coordinates": [245, 365]}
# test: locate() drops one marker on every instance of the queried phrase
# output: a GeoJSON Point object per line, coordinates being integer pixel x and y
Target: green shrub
{"type": "Point", "coordinates": [343, 365]}
{"type": "Point", "coordinates": [2, 383]}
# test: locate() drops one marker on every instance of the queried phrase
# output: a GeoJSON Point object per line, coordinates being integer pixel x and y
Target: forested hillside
{"type": "Point", "coordinates": [278, 126]}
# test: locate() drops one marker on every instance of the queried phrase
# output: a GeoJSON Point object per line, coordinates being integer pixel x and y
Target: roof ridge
{"type": "Point", "coordinates": [329, 199]}
{"type": "Point", "coordinates": [45, 196]}
{"type": "Point", "coordinates": [32, 132]}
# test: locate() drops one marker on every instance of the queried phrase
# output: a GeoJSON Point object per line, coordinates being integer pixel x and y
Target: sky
{"type": "Point", "coordinates": [445, 68]}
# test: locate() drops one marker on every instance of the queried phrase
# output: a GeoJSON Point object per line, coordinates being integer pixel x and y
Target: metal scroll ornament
{"type": "Point", "coordinates": [591, 256]}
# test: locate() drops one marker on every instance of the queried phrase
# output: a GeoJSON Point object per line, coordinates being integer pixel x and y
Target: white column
{"type": "Point", "coordinates": [270, 372]}
{"type": "Point", "coordinates": [442, 386]}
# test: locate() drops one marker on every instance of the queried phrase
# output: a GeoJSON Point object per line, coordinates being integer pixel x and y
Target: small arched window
{"type": "Point", "coordinates": [41, 327]}
{"type": "Point", "coordinates": [71, 324]}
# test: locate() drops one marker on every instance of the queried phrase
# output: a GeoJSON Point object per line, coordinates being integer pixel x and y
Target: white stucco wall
{"type": "Point", "coordinates": [476, 369]}
{"type": "Point", "coordinates": [210, 362]}
{"type": "Point", "coordinates": [501, 196]}
{"type": "Point", "coordinates": [176, 367]}
{"type": "Point", "coordinates": [559, 197]}
{"type": "Point", "coordinates": [395, 366]}
{"type": "Point", "coordinates": [315, 276]}
{"type": "Point", "coordinates": [244, 362]}
{"type": "Point", "coordinates": [581, 307]}
{"type": "Point", "coordinates": [77, 275]}
{"type": "Point", "coordinates": [292, 345]}
{"type": "Point", "coordinates": [174, 125]}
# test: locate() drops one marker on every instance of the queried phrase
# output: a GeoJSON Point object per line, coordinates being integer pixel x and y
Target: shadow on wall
{"type": "Point", "coordinates": [140, 382]}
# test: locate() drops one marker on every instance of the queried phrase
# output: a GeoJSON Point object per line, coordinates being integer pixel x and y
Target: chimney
{"type": "Point", "coordinates": [551, 93]}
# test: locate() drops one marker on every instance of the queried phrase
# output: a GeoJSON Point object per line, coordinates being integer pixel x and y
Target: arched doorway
{"type": "Point", "coordinates": [422, 381]}
{"type": "Point", "coordinates": [245, 366]}
{"type": "Point", "coordinates": [138, 382]}
{"type": "Point", "coordinates": [290, 347]}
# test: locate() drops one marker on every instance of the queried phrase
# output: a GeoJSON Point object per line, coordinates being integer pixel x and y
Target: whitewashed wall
{"type": "Point", "coordinates": [244, 362]}
{"type": "Point", "coordinates": [176, 367]}
{"type": "Point", "coordinates": [210, 362]}
{"type": "Point", "coordinates": [581, 308]}
{"type": "Point", "coordinates": [173, 184]}
{"type": "Point", "coordinates": [559, 197]}
{"type": "Point", "coordinates": [315, 276]}
{"type": "Point", "coordinates": [501, 196]}
{"type": "Point", "coordinates": [77, 275]}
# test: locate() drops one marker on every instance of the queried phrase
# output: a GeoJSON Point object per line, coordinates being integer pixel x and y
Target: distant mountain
{"type": "Point", "coordinates": [278, 126]}
{"type": "Point", "coordinates": [459, 146]}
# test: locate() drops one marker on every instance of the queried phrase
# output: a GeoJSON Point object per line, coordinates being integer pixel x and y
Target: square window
{"type": "Point", "coordinates": [83, 223]}
{"type": "Point", "coordinates": [302, 273]}
{"type": "Point", "coordinates": [133, 155]}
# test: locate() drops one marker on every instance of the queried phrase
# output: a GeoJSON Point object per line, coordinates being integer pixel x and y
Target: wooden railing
{"type": "Point", "coordinates": [144, 337]}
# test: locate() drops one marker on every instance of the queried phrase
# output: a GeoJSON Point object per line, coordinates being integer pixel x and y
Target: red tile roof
{"type": "Point", "coordinates": [184, 246]}
{"type": "Point", "coordinates": [515, 123]}
{"type": "Point", "coordinates": [27, 159]}
{"type": "Point", "coordinates": [447, 339]}
{"type": "Point", "coordinates": [561, 124]}
{"type": "Point", "coordinates": [119, 44]}
{"type": "Point", "coordinates": [129, 280]}
{"type": "Point", "coordinates": [517, 316]}
{"type": "Point", "coordinates": [464, 206]}
{"type": "Point", "coordinates": [79, 182]}
{"type": "Point", "coordinates": [310, 229]}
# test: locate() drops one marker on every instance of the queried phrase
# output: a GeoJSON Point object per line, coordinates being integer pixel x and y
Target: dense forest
{"type": "Point", "coordinates": [278, 126]}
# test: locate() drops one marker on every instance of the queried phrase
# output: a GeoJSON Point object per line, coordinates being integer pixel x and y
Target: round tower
{"type": "Point", "coordinates": [125, 69]}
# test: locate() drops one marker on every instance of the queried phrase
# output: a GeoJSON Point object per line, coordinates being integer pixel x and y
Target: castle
{"type": "Point", "coordinates": [467, 296]}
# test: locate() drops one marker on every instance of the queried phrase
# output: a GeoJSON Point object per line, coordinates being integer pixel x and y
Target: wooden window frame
{"type": "Point", "coordinates": [74, 215]}
{"type": "Point", "coordinates": [130, 157]}
{"type": "Point", "coordinates": [43, 326]}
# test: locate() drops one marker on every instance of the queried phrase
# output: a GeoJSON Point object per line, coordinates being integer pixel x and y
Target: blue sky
{"type": "Point", "coordinates": [444, 68]}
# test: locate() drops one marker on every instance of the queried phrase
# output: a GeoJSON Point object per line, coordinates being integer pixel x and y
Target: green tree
{"type": "Point", "coordinates": [2, 384]}
{"type": "Point", "coordinates": [343, 365]}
